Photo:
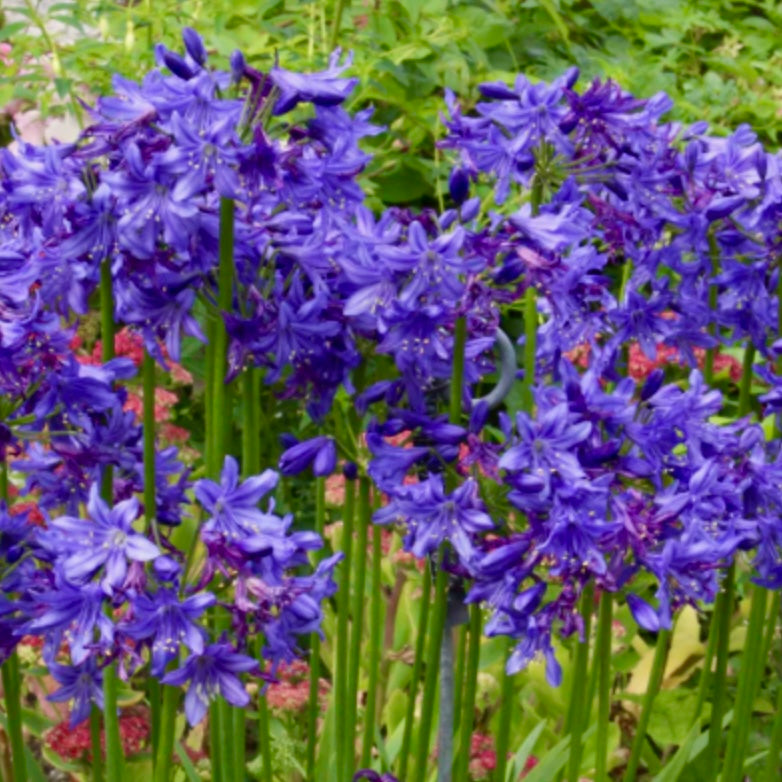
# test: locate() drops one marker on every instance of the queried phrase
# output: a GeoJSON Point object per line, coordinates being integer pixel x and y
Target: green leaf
{"type": "Point", "coordinates": [187, 764]}
{"type": "Point", "coordinates": [516, 766]}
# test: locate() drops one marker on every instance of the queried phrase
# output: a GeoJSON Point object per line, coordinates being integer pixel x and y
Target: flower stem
{"type": "Point", "coordinates": [343, 598]}
{"type": "Point", "coordinates": [165, 744]}
{"type": "Point", "coordinates": [723, 612]}
{"type": "Point", "coordinates": [579, 705]}
{"type": "Point", "coordinates": [312, 709]}
{"type": "Point", "coordinates": [111, 725]}
{"type": "Point", "coordinates": [714, 252]}
{"type": "Point", "coordinates": [336, 24]}
{"type": "Point", "coordinates": [603, 661]}
{"type": "Point", "coordinates": [251, 461]}
{"type": "Point", "coordinates": [461, 661]}
{"type": "Point", "coordinates": [771, 771]}
{"type": "Point", "coordinates": [375, 628]}
{"type": "Point", "coordinates": [356, 631]}
{"type": "Point", "coordinates": [420, 646]}
{"type": "Point", "coordinates": [13, 710]}
{"type": "Point", "coordinates": [655, 680]}
{"type": "Point", "coordinates": [752, 666]}
{"type": "Point", "coordinates": [110, 717]}
{"type": "Point", "coordinates": [148, 380]}
{"type": "Point", "coordinates": [96, 766]}
{"type": "Point", "coordinates": [431, 671]}
{"type": "Point", "coordinates": [467, 718]}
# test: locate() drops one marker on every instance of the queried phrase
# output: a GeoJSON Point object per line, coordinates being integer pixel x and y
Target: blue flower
{"type": "Point", "coordinates": [209, 673]}
{"type": "Point", "coordinates": [105, 540]}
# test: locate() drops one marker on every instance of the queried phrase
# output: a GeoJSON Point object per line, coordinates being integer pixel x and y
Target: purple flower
{"type": "Point", "coordinates": [106, 540]}
{"type": "Point", "coordinates": [209, 673]}
{"type": "Point", "coordinates": [432, 516]}
{"type": "Point", "coordinates": [320, 452]}
{"type": "Point", "coordinates": [233, 505]}
{"type": "Point", "coordinates": [325, 88]}
{"type": "Point", "coordinates": [80, 683]}
{"type": "Point", "coordinates": [166, 622]}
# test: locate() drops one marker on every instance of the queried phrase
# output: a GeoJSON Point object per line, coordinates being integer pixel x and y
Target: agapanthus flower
{"type": "Point", "coordinates": [215, 670]}
{"type": "Point", "coordinates": [105, 541]}
{"type": "Point", "coordinates": [232, 504]}
{"type": "Point", "coordinates": [81, 684]}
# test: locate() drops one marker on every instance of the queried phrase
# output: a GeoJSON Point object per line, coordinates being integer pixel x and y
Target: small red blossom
{"type": "Point", "coordinates": [292, 690]}
{"type": "Point", "coordinates": [76, 744]}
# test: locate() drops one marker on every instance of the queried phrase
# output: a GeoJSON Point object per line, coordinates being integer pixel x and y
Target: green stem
{"type": "Point", "coordinates": [356, 632]}
{"type": "Point", "coordinates": [467, 718]}
{"type": "Point", "coordinates": [13, 710]}
{"type": "Point", "coordinates": [714, 252]}
{"type": "Point", "coordinates": [745, 400]}
{"type": "Point", "coordinates": [220, 420]}
{"type": "Point", "coordinates": [771, 771]}
{"type": "Point", "coordinates": [530, 347]}
{"type": "Point", "coordinates": [752, 667]}
{"type": "Point", "coordinates": [110, 716]}
{"type": "Point", "coordinates": [165, 745]}
{"type": "Point", "coordinates": [336, 24]}
{"type": "Point", "coordinates": [655, 680]}
{"type": "Point", "coordinates": [96, 766]}
{"type": "Point", "coordinates": [506, 712]}
{"type": "Point", "coordinates": [708, 659]}
{"type": "Point", "coordinates": [418, 664]}
{"type": "Point", "coordinates": [603, 660]}
{"type": "Point", "coordinates": [343, 598]}
{"type": "Point", "coordinates": [111, 725]}
{"type": "Point", "coordinates": [251, 461]}
{"type": "Point", "coordinates": [431, 672]}
{"type": "Point", "coordinates": [312, 718]}
{"type": "Point", "coordinates": [457, 371]}
{"type": "Point", "coordinates": [150, 507]}
{"type": "Point", "coordinates": [107, 329]}
{"type": "Point", "coordinates": [723, 612]}
{"type": "Point", "coordinates": [579, 705]}
{"type": "Point", "coordinates": [375, 628]}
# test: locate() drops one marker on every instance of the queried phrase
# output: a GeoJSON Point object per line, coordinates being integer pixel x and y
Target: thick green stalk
{"type": "Point", "coordinates": [312, 710]}
{"type": "Point", "coordinates": [655, 680]}
{"type": "Point", "coordinates": [603, 661]}
{"type": "Point", "coordinates": [220, 419]}
{"type": "Point", "coordinates": [506, 712]}
{"type": "Point", "coordinates": [96, 766]}
{"type": "Point", "coordinates": [708, 658]}
{"type": "Point", "coordinates": [527, 404]}
{"type": "Point", "coordinates": [13, 710]}
{"type": "Point", "coordinates": [110, 717]}
{"type": "Point", "coordinates": [723, 612]}
{"type": "Point", "coordinates": [251, 462]}
{"type": "Point", "coordinates": [771, 771]}
{"type": "Point", "coordinates": [580, 705]}
{"type": "Point", "coordinates": [9, 671]}
{"type": "Point", "coordinates": [223, 755]}
{"type": "Point", "coordinates": [165, 744]}
{"type": "Point", "coordinates": [467, 718]}
{"type": "Point", "coordinates": [457, 371]}
{"type": "Point", "coordinates": [357, 629]}
{"type": "Point", "coordinates": [111, 725]}
{"type": "Point", "coordinates": [752, 666]}
{"type": "Point", "coordinates": [444, 661]}
{"type": "Point", "coordinates": [418, 664]}
{"type": "Point", "coordinates": [107, 329]}
{"type": "Point", "coordinates": [375, 628]}
{"type": "Point", "coordinates": [714, 252]}
{"type": "Point", "coordinates": [343, 598]}
{"type": "Point", "coordinates": [430, 675]}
